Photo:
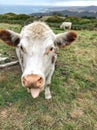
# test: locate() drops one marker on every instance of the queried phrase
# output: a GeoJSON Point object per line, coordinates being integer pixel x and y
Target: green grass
{"type": "Point", "coordinates": [74, 91]}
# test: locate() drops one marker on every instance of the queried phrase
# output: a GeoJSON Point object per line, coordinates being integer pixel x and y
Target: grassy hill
{"type": "Point", "coordinates": [74, 90]}
{"type": "Point", "coordinates": [86, 22]}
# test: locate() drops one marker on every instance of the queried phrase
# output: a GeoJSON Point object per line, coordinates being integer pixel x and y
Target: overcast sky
{"type": "Point", "coordinates": [51, 2]}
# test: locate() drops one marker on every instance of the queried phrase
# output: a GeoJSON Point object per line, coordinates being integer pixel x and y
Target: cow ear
{"type": "Point", "coordinates": [65, 39]}
{"type": "Point", "coordinates": [10, 37]}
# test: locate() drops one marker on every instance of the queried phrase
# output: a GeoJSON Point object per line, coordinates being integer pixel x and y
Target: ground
{"type": "Point", "coordinates": [74, 90]}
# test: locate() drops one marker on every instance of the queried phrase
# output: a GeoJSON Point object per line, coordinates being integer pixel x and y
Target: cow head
{"type": "Point", "coordinates": [36, 51]}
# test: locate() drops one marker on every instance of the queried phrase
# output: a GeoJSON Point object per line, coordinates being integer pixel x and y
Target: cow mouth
{"type": "Point", "coordinates": [35, 92]}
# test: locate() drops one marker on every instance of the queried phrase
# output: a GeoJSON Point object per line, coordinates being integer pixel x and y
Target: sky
{"type": "Point", "coordinates": [50, 2]}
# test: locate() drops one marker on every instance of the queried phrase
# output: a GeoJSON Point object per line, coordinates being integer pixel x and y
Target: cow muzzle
{"type": "Point", "coordinates": [34, 82]}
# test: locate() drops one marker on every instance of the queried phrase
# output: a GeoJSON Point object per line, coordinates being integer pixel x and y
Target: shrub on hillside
{"type": "Point", "coordinates": [21, 17]}
{"type": "Point", "coordinates": [12, 16]}
{"type": "Point", "coordinates": [55, 19]}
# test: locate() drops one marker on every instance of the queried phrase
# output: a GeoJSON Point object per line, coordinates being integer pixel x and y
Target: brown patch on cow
{"type": "Point", "coordinates": [71, 36]}
{"type": "Point", "coordinates": [6, 37]}
{"type": "Point", "coordinates": [53, 59]}
{"type": "Point", "coordinates": [65, 39]}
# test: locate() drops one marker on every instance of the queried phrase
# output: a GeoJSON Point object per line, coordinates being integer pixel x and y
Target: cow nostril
{"type": "Point", "coordinates": [25, 81]}
{"type": "Point", "coordinates": [40, 81]}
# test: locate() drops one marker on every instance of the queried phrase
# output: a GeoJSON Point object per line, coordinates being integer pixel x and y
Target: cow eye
{"type": "Point", "coordinates": [48, 50]}
{"type": "Point", "coordinates": [51, 48]}
{"type": "Point", "coordinates": [21, 48]}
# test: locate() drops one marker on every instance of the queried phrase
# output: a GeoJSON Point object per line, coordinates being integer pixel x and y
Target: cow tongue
{"type": "Point", "coordinates": [35, 92]}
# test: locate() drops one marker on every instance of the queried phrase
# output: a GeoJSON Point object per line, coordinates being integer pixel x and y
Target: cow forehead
{"type": "Point", "coordinates": [37, 31]}
{"type": "Point", "coordinates": [37, 36]}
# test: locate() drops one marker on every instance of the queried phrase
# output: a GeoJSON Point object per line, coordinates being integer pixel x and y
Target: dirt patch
{"type": "Point", "coordinates": [4, 114]}
{"type": "Point", "coordinates": [2, 77]}
{"type": "Point", "coordinates": [77, 112]}
{"type": "Point", "coordinates": [11, 69]}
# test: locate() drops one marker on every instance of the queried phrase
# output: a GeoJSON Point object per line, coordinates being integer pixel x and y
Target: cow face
{"type": "Point", "coordinates": [36, 51]}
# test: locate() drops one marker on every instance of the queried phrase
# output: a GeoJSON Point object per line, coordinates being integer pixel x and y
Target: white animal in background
{"type": "Point", "coordinates": [66, 25]}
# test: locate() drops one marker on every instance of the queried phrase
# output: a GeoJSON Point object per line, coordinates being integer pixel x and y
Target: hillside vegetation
{"type": "Point", "coordinates": [89, 23]}
{"type": "Point", "coordinates": [74, 90]}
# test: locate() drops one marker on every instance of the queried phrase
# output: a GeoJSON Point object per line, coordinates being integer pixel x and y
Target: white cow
{"type": "Point", "coordinates": [66, 25]}
{"type": "Point", "coordinates": [35, 48]}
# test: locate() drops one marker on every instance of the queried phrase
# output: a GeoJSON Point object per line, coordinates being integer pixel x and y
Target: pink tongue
{"type": "Point", "coordinates": [35, 92]}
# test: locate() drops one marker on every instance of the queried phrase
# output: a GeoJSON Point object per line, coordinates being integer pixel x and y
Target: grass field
{"type": "Point", "coordinates": [74, 90]}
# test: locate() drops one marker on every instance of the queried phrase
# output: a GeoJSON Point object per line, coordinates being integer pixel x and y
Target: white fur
{"type": "Point", "coordinates": [35, 39]}
{"type": "Point", "coordinates": [47, 93]}
{"type": "Point", "coordinates": [35, 42]}
{"type": "Point", "coordinates": [66, 25]}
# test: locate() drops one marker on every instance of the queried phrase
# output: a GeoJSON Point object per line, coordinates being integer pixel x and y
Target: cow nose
{"type": "Point", "coordinates": [32, 81]}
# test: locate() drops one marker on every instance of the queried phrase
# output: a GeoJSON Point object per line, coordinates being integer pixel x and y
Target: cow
{"type": "Point", "coordinates": [36, 51]}
{"type": "Point", "coordinates": [66, 25]}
